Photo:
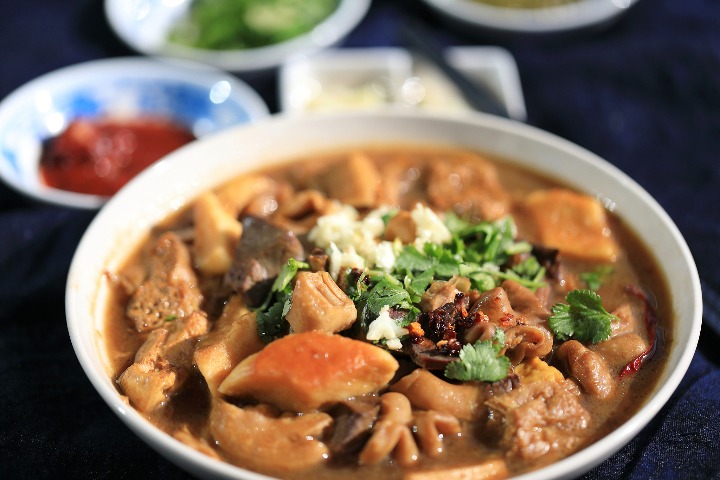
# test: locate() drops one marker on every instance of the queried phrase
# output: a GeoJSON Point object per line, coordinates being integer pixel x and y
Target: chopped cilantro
{"type": "Point", "coordinates": [387, 291]}
{"type": "Point", "coordinates": [595, 278]}
{"type": "Point", "coordinates": [270, 315]}
{"type": "Point", "coordinates": [287, 273]}
{"type": "Point", "coordinates": [271, 322]}
{"type": "Point", "coordinates": [412, 260]}
{"type": "Point", "coordinates": [481, 362]}
{"type": "Point", "coordinates": [484, 242]}
{"type": "Point", "coordinates": [582, 318]}
{"type": "Point", "coordinates": [529, 272]}
{"type": "Point", "coordinates": [417, 284]}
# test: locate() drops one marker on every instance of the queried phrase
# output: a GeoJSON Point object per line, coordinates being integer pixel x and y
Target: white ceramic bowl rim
{"type": "Point", "coordinates": [329, 32]}
{"type": "Point", "coordinates": [571, 16]}
{"type": "Point", "coordinates": [95, 73]}
{"type": "Point", "coordinates": [120, 217]}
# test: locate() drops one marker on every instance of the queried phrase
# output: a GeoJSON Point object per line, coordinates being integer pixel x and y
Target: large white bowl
{"type": "Point", "coordinates": [171, 184]}
{"type": "Point", "coordinates": [202, 99]}
{"type": "Point", "coordinates": [576, 15]}
{"type": "Point", "coordinates": [144, 25]}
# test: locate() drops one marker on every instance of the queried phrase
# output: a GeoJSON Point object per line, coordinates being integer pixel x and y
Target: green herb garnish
{"type": "Point", "coordinates": [595, 278]}
{"type": "Point", "coordinates": [271, 322]}
{"type": "Point", "coordinates": [582, 318]}
{"type": "Point", "coordinates": [386, 290]}
{"type": "Point", "coordinates": [481, 362]}
{"type": "Point", "coordinates": [270, 315]}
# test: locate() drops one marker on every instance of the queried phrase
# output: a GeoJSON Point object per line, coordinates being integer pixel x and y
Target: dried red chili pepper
{"type": "Point", "coordinates": [650, 325]}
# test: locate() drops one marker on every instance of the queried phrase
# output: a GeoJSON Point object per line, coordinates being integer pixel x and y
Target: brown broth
{"type": "Point", "coordinates": [635, 265]}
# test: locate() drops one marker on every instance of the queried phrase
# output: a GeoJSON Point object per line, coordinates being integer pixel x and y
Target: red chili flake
{"type": "Point", "coordinates": [416, 330]}
{"type": "Point", "coordinates": [507, 320]}
{"type": "Point", "coordinates": [651, 325]}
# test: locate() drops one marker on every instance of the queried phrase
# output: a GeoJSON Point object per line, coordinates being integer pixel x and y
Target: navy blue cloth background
{"type": "Point", "coordinates": [644, 94]}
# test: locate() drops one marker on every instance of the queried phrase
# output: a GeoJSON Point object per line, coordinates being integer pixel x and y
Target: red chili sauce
{"type": "Point", "coordinates": [100, 156]}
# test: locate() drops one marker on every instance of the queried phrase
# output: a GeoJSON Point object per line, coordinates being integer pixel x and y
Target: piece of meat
{"type": "Point", "coordinates": [526, 303]}
{"type": "Point", "coordinates": [426, 354]}
{"type": "Point", "coordinates": [354, 418]}
{"type": "Point", "coordinates": [251, 438]}
{"type": "Point", "coordinates": [495, 304]}
{"type": "Point", "coordinates": [170, 290]}
{"type": "Point", "coordinates": [401, 226]}
{"type": "Point", "coordinates": [300, 210]}
{"type": "Point", "coordinates": [482, 330]}
{"type": "Point", "coordinates": [627, 320]}
{"type": "Point", "coordinates": [464, 401]}
{"type": "Point", "coordinates": [353, 182]}
{"type": "Point", "coordinates": [471, 189]}
{"type": "Point", "coordinates": [438, 294]}
{"type": "Point", "coordinates": [431, 428]}
{"type": "Point", "coordinates": [318, 260]}
{"type": "Point", "coordinates": [217, 233]}
{"type": "Point", "coordinates": [149, 381]}
{"type": "Point", "coordinates": [184, 335]}
{"type": "Point", "coordinates": [526, 341]}
{"type": "Point", "coordinates": [237, 194]}
{"type": "Point", "coordinates": [621, 350]}
{"type": "Point", "coordinates": [163, 362]}
{"type": "Point", "coordinates": [262, 251]}
{"type": "Point", "coordinates": [233, 338]}
{"type": "Point", "coordinates": [391, 434]}
{"type": "Point", "coordinates": [319, 304]}
{"type": "Point", "coordinates": [540, 422]}
{"type": "Point", "coordinates": [588, 368]}
{"type": "Point", "coordinates": [305, 371]}
{"type": "Point", "coordinates": [550, 259]}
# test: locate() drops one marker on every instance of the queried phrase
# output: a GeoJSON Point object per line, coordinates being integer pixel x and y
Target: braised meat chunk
{"type": "Point", "coordinates": [261, 253]}
{"type": "Point", "coordinates": [170, 290]}
{"type": "Point", "coordinates": [542, 421]}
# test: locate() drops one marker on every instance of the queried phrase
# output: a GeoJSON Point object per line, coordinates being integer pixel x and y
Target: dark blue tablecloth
{"type": "Point", "coordinates": [644, 94]}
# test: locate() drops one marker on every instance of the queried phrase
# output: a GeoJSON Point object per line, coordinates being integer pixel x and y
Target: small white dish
{"type": "Point", "coordinates": [144, 25]}
{"type": "Point", "coordinates": [202, 99]}
{"type": "Point", "coordinates": [574, 15]}
{"type": "Point", "coordinates": [174, 182]}
{"type": "Point", "coordinates": [369, 78]}
{"type": "Point", "coordinates": [339, 79]}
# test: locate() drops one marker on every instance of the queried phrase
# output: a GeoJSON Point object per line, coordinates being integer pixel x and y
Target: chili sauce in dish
{"type": "Point", "coordinates": [98, 157]}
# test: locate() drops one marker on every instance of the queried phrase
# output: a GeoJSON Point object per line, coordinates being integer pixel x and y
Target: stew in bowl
{"type": "Point", "coordinates": [422, 306]}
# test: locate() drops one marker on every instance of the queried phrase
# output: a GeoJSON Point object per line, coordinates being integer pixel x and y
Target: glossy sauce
{"type": "Point", "coordinates": [99, 157]}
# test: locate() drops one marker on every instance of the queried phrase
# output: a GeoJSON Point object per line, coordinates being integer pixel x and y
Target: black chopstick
{"type": "Point", "coordinates": [418, 38]}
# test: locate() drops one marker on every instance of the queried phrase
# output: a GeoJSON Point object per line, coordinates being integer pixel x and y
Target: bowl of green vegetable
{"type": "Point", "coordinates": [235, 35]}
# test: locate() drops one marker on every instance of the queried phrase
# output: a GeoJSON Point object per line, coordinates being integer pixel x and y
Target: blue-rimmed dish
{"type": "Point", "coordinates": [204, 100]}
